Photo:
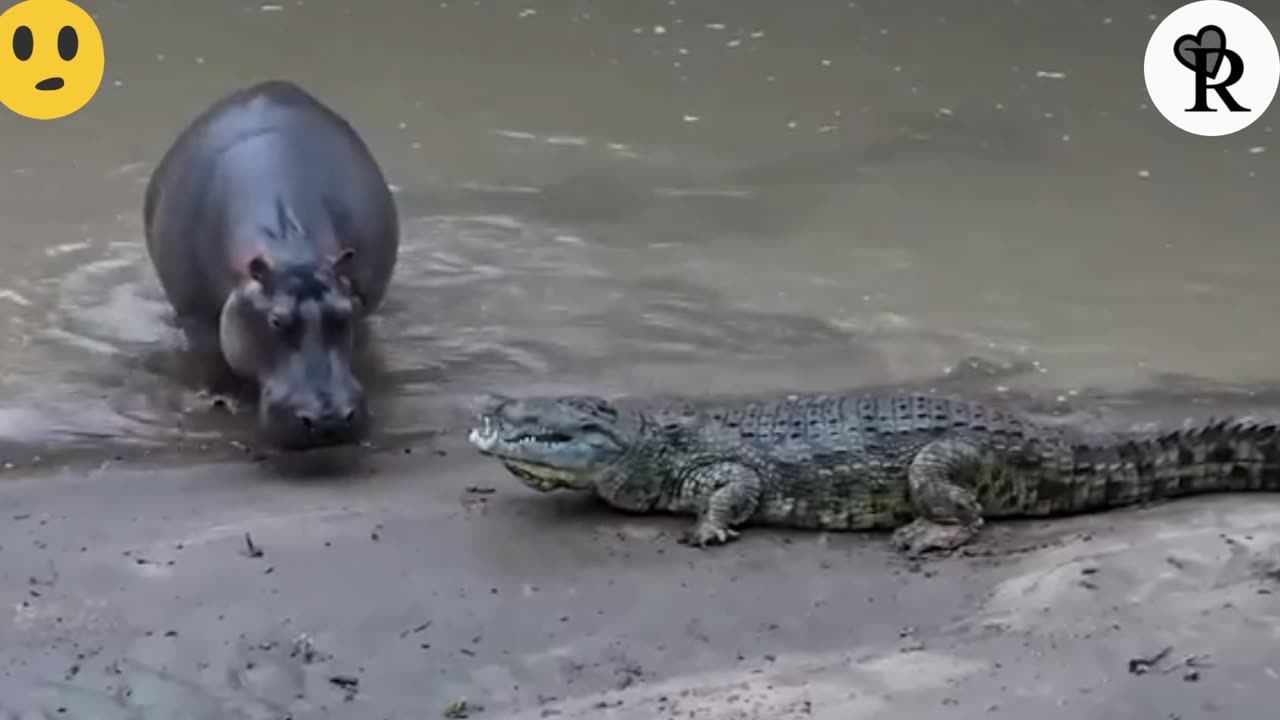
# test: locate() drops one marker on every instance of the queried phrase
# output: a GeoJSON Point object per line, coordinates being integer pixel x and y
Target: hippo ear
{"type": "Point", "coordinates": [260, 270]}
{"type": "Point", "coordinates": [341, 262]}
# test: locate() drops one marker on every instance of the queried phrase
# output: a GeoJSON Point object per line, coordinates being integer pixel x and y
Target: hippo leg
{"type": "Point", "coordinates": [212, 377]}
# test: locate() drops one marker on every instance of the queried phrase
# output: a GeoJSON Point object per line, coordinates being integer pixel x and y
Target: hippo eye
{"type": "Point", "coordinates": [275, 321]}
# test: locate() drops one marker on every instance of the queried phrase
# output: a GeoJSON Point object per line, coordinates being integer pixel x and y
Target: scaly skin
{"type": "Point", "coordinates": [931, 468]}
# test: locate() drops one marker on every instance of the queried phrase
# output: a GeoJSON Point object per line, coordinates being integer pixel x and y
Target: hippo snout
{"type": "Point", "coordinates": [306, 417]}
{"type": "Point", "coordinates": [315, 425]}
{"type": "Point", "coordinates": [333, 425]}
{"type": "Point", "coordinates": [330, 422]}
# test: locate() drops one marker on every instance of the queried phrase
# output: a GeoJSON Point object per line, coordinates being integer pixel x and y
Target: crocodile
{"type": "Point", "coordinates": [930, 468]}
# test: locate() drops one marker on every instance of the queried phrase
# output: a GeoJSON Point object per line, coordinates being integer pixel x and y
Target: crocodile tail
{"type": "Point", "coordinates": [1215, 456]}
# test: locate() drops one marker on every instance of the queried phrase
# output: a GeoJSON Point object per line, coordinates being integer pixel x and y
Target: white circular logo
{"type": "Point", "coordinates": [1212, 67]}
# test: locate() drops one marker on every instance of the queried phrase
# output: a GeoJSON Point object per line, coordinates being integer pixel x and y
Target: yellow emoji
{"type": "Point", "coordinates": [51, 58]}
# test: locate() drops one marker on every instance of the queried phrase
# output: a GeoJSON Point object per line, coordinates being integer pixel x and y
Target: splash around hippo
{"type": "Point", "coordinates": [273, 233]}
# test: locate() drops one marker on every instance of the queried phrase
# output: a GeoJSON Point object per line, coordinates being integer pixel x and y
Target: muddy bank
{"type": "Point", "coordinates": [424, 576]}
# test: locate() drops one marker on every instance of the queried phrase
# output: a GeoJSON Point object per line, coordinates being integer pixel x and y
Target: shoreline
{"type": "Point", "coordinates": [430, 576]}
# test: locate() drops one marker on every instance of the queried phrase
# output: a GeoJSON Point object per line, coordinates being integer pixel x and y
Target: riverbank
{"type": "Point", "coordinates": [420, 577]}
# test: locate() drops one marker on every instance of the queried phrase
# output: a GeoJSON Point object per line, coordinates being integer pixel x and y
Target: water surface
{"type": "Point", "coordinates": [621, 196]}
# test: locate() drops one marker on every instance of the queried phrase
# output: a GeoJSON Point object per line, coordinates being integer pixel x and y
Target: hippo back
{"type": "Point", "coordinates": [211, 201]}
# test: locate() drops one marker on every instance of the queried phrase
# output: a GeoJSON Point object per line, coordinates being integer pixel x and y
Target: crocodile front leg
{"type": "Point", "coordinates": [948, 515]}
{"type": "Point", "coordinates": [723, 496]}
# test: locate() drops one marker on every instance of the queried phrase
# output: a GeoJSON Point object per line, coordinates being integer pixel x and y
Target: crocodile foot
{"type": "Point", "coordinates": [705, 533]}
{"type": "Point", "coordinates": [923, 536]}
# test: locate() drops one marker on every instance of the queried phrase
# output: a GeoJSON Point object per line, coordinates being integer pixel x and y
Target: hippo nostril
{"type": "Point", "coordinates": [325, 426]}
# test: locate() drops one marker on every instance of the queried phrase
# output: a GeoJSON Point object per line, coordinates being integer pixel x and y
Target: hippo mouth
{"type": "Point", "coordinates": [53, 83]}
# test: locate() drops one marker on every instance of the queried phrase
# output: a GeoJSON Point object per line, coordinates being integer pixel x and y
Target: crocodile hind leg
{"type": "Point", "coordinates": [724, 495]}
{"type": "Point", "coordinates": [948, 515]}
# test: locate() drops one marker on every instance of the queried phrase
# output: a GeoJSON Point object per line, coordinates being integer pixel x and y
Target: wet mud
{"type": "Point", "coordinates": [431, 583]}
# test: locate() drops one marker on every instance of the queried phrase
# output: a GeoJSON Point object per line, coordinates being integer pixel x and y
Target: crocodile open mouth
{"type": "Point", "coordinates": [548, 438]}
{"type": "Point", "coordinates": [540, 477]}
{"type": "Point", "coordinates": [486, 437]}
{"type": "Point", "coordinates": [519, 454]}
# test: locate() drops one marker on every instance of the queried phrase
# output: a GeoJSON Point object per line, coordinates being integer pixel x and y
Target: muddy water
{"type": "Point", "coordinates": [621, 196]}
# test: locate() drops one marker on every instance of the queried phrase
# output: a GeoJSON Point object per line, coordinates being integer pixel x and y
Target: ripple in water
{"type": "Point", "coordinates": [478, 301]}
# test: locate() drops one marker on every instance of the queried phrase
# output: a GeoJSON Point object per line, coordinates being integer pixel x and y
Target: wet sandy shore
{"type": "Point", "coordinates": [424, 576]}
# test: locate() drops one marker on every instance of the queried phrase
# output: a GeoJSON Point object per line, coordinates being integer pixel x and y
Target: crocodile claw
{"type": "Point", "coordinates": [705, 534]}
{"type": "Point", "coordinates": [925, 536]}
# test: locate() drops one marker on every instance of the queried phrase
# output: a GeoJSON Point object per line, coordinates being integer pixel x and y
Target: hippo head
{"type": "Point", "coordinates": [291, 327]}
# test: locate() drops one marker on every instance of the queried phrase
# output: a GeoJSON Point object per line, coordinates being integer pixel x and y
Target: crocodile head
{"type": "Point", "coordinates": [551, 443]}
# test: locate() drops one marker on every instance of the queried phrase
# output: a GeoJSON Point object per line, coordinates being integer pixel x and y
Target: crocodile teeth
{"type": "Point", "coordinates": [483, 438]}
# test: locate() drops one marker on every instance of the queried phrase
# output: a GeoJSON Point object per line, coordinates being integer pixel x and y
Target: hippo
{"type": "Point", "coordinates": [274, 233]}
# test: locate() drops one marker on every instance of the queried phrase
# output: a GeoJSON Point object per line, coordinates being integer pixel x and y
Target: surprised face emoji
{"type": "Point", "coordinates": [51, 58]}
